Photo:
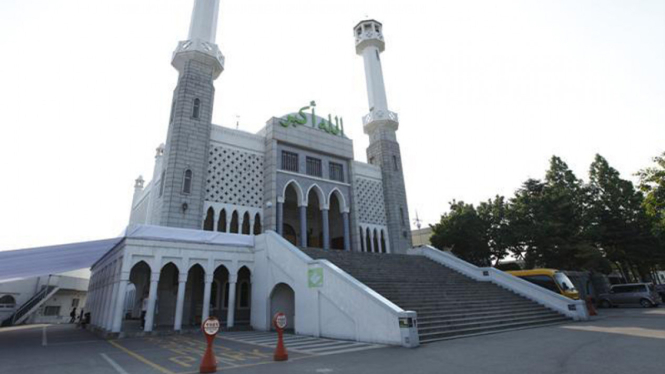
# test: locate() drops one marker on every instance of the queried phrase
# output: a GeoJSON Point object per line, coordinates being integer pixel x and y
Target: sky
{"type": "Point", "coordinates": [487, 92]}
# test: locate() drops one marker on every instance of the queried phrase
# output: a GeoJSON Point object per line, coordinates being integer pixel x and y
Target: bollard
{"type": "Point", "coordinates": [210, 328]}
{"type": "Point", "coordinates": [280, 323]}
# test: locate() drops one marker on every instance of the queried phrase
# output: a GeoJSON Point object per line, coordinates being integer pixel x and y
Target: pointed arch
{"type": "Point", "coordinates": [375, 239]}
{"type": "Point", "coordinates": [246, 227]}
{"type": "Point", "coordinates": [384, 248]}
{"type": "Point", "coordinates": [362, 241]}
{"type": "Point", "coordinates": [257, 224]}
{"type": "Point", "coordinates": [340, 197]}
{"type": "Point", "coordinates": [209, 222]}
{"type": "Point", "coordinates": [297, 188]}
{"type": "Point", "coordinates": [235, 225]}
{"type": "Point", "coordinates": [221, 224]}
{"type": "Point", "coordinates": [323, 202]}
{"type": "Point", "coordinates": [368, 240]}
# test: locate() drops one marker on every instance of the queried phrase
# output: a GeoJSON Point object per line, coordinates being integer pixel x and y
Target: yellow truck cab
{"type": "Point", "coordinates": [551, 279]}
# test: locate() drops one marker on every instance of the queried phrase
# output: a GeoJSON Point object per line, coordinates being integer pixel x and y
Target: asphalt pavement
{"type": "Point", "coordinates": [630, 340]}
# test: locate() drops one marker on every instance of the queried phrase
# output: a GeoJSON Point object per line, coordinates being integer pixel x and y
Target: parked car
{"type": "Point", "coordinates": [643, 294]}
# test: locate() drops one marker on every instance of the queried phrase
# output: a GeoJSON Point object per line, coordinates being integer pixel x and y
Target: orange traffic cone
{"type": "Point", "coordinates": [590, 307]}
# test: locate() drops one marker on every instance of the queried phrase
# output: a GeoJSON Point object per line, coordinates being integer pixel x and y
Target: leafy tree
{"type": "Point", "coordinates": [497, 231]}
{"type": "Point", "coordinates": [464, 232]}
{"type": "Point", "coordinates": [652, 183]}
{"type": "Point", "coordinates": [618, 223]}
{"type": "Point", "coordinates": [547, 221]}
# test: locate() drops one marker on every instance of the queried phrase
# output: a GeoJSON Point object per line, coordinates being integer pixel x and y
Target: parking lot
{"type": "Point", "coordinates": [619, 341]}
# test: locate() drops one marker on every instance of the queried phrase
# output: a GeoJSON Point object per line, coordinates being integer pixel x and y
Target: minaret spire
{"type": "Point", "coordinates": [201, 43]}
{"type": "Point", "coordinates": [204, 20]}
{"type": "Point", "coordinates": [381, 125]}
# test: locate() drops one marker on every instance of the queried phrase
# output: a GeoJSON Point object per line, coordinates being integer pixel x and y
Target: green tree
{"type": "Point", "coordinates": [619, 225]}
{"type": "Point", "coordinates": [493, 214]}
{"type": "Point", "coordinates": [547, 221]}
{"type": "Point", "coordinates": [464, 233]}
{"type": "Point", "coordinates": [652, 183]}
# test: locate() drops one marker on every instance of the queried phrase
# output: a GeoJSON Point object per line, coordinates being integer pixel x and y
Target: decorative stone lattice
{"type": "Point", "coordinates": [235, 177]}
{"type": "Point", "coordinates": [371, 206]}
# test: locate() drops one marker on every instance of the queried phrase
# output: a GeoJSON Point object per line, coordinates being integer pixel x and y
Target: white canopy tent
{"type": "Point", "coordinates": [34, 262]}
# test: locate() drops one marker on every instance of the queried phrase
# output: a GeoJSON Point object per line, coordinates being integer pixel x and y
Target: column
{"type": "Point", "coordinates": [228, 221]}
{"type": "Point", "coordinates": [230, 316]}
{"type": "Point", "coordinates": [303, 226]}
{"type": "Point", "coordinates": [114, 302]}
{"type": "Point", "coordinates": [280, 219]}
{"type": "Point", "coordinates": [152, 300]}
{"type": "Point", "coordinates": [120, 302]}
{"type": "Point", "coordinates": [363, 245]}
{"type": "Point", "coordinates": [326, 228]}
{"type": "Point", "coordinates": [347, 231]}
{"type": "Point", "coordinates": [180, 301]}
{"type": "Point", "coordinates": [371, 241]}
{"type": "Point", "coordinates": [206, 296]}
{"type": "Point", "coordinates": [215, 220]}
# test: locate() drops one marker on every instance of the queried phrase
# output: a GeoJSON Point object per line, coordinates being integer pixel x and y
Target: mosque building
{"type": "Point", "coordinates": [241, 226]}
{"type": "Point", "coordinates": [296, 176]}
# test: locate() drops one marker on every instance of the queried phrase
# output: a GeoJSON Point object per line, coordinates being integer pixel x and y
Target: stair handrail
{"type": "Point", "coordinates": [398, 312]}
{"type": "Point", "coordinates": [574, 309]}
{"type": "Point", "coordinates": [28, 305]}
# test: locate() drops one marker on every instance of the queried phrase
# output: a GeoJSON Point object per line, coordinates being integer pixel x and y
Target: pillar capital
{"type": "Point", "coordinates": [209, 278]}
{"type": "Point", "coordinates": [182, 277]}
{"type": "Point", "coordinates": [233, 278]}
{"type": "Point", "coordinates": [154, 277]}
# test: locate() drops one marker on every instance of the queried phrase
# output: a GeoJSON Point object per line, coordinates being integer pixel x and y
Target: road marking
{"type": "Point", "coordinates": [23, 327]}
{"type": "Point", "coordinates": [299, 343]}
{"type": "Point", "coordinates": [115, 365]}
{"type": "Point", "coordinates": [141, 358]}
{"type": "Point", "coordinates": [631, 331]}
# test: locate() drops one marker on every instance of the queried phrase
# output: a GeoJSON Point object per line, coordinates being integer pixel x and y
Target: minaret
{"type": "Point", "coordinates": [381, 125]}
{"type": "Point", "coordinates": [199, 62]}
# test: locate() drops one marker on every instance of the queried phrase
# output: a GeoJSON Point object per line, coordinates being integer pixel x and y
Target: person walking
{"type": "Point", "coordinates": [72, 316]}
{"type": "Point", "coordinates": [144, 309]}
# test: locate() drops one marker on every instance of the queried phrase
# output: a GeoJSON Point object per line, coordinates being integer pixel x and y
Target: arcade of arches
{"type": "Point", "coordinates": [314, 222]}
{"type": "Point", "coordinates": [176, 300]}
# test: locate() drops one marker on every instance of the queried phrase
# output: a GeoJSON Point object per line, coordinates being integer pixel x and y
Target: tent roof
{"type": "Point", "coordinates": [33, 262]}
{"type": "Point", "coordinates": [55, 259]}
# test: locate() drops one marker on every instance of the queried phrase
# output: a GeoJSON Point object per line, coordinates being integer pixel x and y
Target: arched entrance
{"type": "Point", "coordinates": [314, 219]}
{"type": "Point", "coordinates": [336, 222]}
{"type": "Point", "coordinates": [167, 289]}
{"type": "Point", "coordinates": [139, 276]}
{"type": "Point", "coordinates": [219, 295]}
{"type": "Point", "coordinates": [193, 308]}
{"type": "Point", "coordinates": [283, 299]}
{"type": "Point", "coordinates": [291, 225]}
{"type": "Point", "coordinates": [243, 297]}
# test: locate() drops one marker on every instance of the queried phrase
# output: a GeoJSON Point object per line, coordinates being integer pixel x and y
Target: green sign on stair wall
{"type": "Point", "coordinates": [315, 277]}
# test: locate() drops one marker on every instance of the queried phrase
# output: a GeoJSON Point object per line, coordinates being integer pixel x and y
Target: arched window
{"type": "Point", "coordinates": [395, 164]}
{"type": "Point", "coordinates": [209, 223]}
{"type": "Point", "coordinates": [187, 182]}
{"type": "Point", "coordinates": [197, 109]}
{"type": "Point", "coordinates": [246, 224]}
{"type": "Point", "coordinates": [383, 242]}
{"type": "Point", "coordinates": [368, 240]}
{"type": "Point", "coordinates": [221, 225]}
{"type": "Point", "coordinates": [234, 222]}
{"type": "Point", "coordinates": [7, 302]}
{"type": "Point", "coordinates": [401, 215]}
{"type": "Point", "coordinates": [257, 224]}
{"type": "Point", "coordinates": [243, 299]}
{"type": "Point", "coordinates": [362, 242]}
{"type": "Point", "coordinates": [161, 183]}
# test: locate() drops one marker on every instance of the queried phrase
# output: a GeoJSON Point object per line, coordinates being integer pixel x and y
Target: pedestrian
{"type": "Point", "coordinates": [80, 322]}
{"type": "Point", "coordinates": [144, 309]}
{"type": "Point", "coordinates": [72, 316]}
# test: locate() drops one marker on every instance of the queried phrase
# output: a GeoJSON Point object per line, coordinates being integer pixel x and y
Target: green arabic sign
{"type": "Point", "coordinates": [326, 125]}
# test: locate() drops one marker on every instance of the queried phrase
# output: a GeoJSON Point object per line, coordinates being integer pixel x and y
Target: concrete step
{"type": "Point", "coordinates": [484, 324]}
{"type": "Point", "coordinates": [466, 320]}
{"type": "Point", "coordinates": [424, 316]}
{"type": "Point", "coordinates": [434, 337]}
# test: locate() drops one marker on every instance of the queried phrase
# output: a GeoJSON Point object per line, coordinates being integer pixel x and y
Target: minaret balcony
{"type": "Point", "coordinates": [369, 33]}
{"type": "Point", "coordinates": [203, 51]}
{"type": "Point", "coordinates": [383, 118]}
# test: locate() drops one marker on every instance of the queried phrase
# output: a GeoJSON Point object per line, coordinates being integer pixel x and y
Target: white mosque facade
{"type": "Point", "coordinates": [205, 231]}
{"type": "Point", "coordinates": [222, 227]}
